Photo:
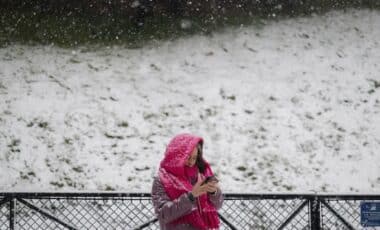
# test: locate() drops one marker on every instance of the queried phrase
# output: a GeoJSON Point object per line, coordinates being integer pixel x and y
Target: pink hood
{"type": "Point", "coordinates": [178, 150]}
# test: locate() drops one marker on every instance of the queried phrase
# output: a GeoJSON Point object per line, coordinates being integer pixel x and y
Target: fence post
{"type": "Point", "coordinates": [315, 213]}
{"type": "Point", "coordinates": [12, 213]}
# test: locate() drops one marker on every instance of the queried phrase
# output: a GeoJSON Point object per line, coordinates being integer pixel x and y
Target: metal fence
{"type": "Point", "coordinates": [135, 211]}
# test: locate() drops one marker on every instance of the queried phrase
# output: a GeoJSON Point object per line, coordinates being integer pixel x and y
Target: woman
{"type": "Point", "coordinates": [182, 198]}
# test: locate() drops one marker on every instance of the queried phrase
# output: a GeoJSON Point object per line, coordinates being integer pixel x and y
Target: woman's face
{"type": "Point", "coordinates": [192, 159]}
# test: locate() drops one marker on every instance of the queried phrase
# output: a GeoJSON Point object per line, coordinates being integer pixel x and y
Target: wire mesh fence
{"type": "Point", "coordinates": [135, 211]}
{"type": "Point", "coordinates": [338, 213]}
{"type": "Point", "coordinates": [90, 212]}
{"type": "Point", "coordinates": [264, 213]}
{"type": "Point", "coordinates": [4, 214]}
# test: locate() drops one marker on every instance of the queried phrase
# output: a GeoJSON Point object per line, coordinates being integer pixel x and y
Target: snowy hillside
{"type": "Point", "coordinates": [291, 105]}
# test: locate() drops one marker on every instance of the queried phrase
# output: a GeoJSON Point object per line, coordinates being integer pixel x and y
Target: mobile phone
{"type": "Point", "coordinates": [210, 178]}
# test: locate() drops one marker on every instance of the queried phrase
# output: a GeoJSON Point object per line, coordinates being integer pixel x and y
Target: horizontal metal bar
{"type": "Point", "coordinates": [227, 196]}
{"type": "Point", "coordinates": [350, 197]}
{"type": "Point", "coordinates": [344, 221]}
{"type": "Point", "coordinates": [301, 196]}
{"type": "Point", "coordinates": [74, 194]}
{"type": "Point", "coordinates": [266, 196]}
{"type": "Point", "coordinates": [46, 214]}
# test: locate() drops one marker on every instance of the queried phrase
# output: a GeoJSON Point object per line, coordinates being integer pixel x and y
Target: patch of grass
{"type": "Point", "coordinates": [74, 30]}
{"type": "Point", "coordinates": [111, 136]}
{"type": "Point", "coordinates": [27, 27]}
{"type": "Point", "coordinates": [241, 168]}
{"type": "Point", "coordinates": [57, 184]}
{"type": "Point", "coordinates": [27, 175]}
{"type": "Point", "coordinates": [68, 141]}
{"type": "Point", "coordinates": [43, 124]}
{"type": "Point", "coordinates": [70, 29]}
{"type": "Point", "coordinates": [14, 146]}
{"type": "Point", "coordinates": [78, 169]}
{"type": "Point", "coordinates": [123, 124]}
{"type": "Point", "coordinates": [109, 188]}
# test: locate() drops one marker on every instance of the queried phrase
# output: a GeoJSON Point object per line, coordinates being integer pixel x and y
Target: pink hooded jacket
{"type": "Point", "coordinates": [170, 204]}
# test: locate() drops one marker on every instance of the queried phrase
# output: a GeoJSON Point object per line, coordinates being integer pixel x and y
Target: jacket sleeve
{"type": "Point", "coordinates": [217, 199]}
{"type": "Point", "coordinates": [166, 209]}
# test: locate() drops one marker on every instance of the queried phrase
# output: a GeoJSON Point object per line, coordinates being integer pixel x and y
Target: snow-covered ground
{"type": "Point", "coordinates": [286, 106]}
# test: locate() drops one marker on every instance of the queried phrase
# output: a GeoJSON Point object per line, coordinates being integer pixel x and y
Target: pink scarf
{"type": "Point", "coordinates": [176, 177]}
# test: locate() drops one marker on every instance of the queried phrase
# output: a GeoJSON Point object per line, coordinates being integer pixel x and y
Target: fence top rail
{"type": "Point", "coordinates": [331, 196]}
{"type": "Point", "coordinates": [228, 196]}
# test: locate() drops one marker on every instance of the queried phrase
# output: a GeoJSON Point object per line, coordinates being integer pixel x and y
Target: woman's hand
{"type": "Point", "coordinates": [199, 189]}
{"type": "Point", "coordinates": [212, 186]}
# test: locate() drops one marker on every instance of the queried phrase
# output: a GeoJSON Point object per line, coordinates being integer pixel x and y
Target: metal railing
{"type": "Point", "coordinates": [112, 210]}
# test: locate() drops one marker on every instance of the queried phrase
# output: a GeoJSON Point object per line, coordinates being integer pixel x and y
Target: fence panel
{"type": "Point", "coordinates": [343, 213]}
{"type": "Point", "coordinates": [85, 212]}
{"type": "Point", "coordinates": [4, 213]}
{"type": "Point", "coordinates": [264, 213]}
{"type": "Point", "coordinates": [130, 211]}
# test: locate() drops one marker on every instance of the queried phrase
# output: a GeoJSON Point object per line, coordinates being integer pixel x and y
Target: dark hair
{"type": "Point", "coordinates": [200, 162]}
